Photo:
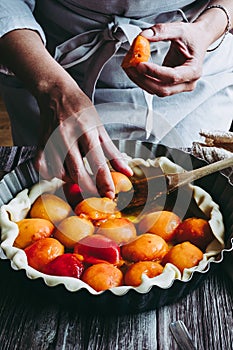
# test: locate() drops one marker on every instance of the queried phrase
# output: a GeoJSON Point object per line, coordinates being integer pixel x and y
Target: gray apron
{"type": "Point", "coordinates": [89, 39]}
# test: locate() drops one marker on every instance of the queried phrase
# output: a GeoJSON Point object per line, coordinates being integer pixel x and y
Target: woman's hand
{"type": "Point", "coordinates": [71, 127]}
{"type": "Point", "coordinates": [182, 65]}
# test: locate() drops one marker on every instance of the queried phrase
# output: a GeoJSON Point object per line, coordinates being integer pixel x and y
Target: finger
{"type": "Point", "coordinates": [159, 88]}
{"type": "Point", "coordinates": [104, 182]}
{"type": "Point", "coordinates": [40, 165]}
{"type": "Point", "coordinates": [60, 158]}
{"type": "Point", "coordinates": [187, 72]}
{"type": "Point", "coordinates": [176, 56]}
{"type": "Point", "coordinates": [165, 31]}
{"type": "Point", "coordinates": [73, 135]}
{"type": "Point", "coordinates": [50, 163]}
{"type": "Point", "coordinates": [98, 163]}
{"type": "Point", "coordinates": [116, 158]}
{"type": "Point", "coordinates": [77, 171]}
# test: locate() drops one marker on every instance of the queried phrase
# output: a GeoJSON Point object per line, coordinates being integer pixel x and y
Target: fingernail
{"type": "Point", "coordinates": [110, 194]}
{"type": "Point", "coordinates": [148, 33]}
{"type": "Point", "coordinates": [130, 171]}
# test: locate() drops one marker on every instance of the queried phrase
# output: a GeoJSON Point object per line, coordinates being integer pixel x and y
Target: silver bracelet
{"type": "Point", "coordinates": [228, 26]}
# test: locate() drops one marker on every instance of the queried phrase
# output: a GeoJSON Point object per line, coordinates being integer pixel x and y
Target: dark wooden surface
{"type": "Point", "coordinates": [5, 129]}
{"type": "Point", "coordinates": [30, 320]}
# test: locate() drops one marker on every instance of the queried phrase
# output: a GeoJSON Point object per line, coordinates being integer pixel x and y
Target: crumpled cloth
{"type": "Point", "coordinates": [12, 156]}
{"type": "Point", "coordinates": [216, 146]}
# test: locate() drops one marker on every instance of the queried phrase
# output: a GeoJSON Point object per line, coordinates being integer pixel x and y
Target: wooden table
{"type": "Point", "coordinates": [29, 320]}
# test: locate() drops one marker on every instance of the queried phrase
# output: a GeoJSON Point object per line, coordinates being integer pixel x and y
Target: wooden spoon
{"type": "Point", "coordinates": [150, 188]}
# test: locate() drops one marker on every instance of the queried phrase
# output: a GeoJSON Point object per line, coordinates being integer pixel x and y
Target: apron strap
{"type": "Point", "coordinates": [98, 46]}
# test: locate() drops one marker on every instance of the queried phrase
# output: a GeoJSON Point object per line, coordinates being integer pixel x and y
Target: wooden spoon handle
{"type": "Point", "coordinates": [153, 187]}
{"type": "Point", "coordinates": [180, 179]}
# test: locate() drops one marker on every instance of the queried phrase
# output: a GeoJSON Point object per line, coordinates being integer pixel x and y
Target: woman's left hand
{"type": "Point", "coordinates": [182, 65]}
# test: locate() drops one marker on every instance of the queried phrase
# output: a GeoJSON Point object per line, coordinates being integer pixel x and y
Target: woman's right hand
{"type": "Point", "coordinates": [71, 127]}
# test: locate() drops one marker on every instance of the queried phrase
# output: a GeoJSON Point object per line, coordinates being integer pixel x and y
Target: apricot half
{"type": "Point", "coordinates": [162, 223]}
{"type": "Point", "coordinates": [121, 182]}
{"type": "Point", "coordinates": [120, 230]}
{"type": "Point", "coordinates": [72, 229]}
{"type": "Point", "coordinates": [41, 252]}
{"type": "Point", "coordinates": [145, 247]}
{"type": "Point", "coordinates": [51, 207]}
{"type": "Point", "coordinates": [195, 230]}
{"type": "Point", "coordinates": [102, 276]}
{"type": "Point", "coordinates": [32, 229]}
{"type": "Point", "coordinates": [183, 255]}
{"type": "Point", "coordinates": [65, 265]}
{"type": "Point", "coordinates": [95, 208]}
{"type": "Point", "coordinates": [133, 275]}
{"type": "Point", "coordinates": [138, 52]}
{"type": "Point", "coordinates": [98, 248]}
{"type": "Point", "coordinates": [73, 193]}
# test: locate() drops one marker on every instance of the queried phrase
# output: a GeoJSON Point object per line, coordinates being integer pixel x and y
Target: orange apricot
{"type": "Point", "coordinates": [162, 223]}
{"type": "Point", "coordinates": [72, 229]}
{"type": "Point", "coordinates": [41, 252]}
{"type": "Point", "coordinates": [120, 230]}
{"type": "Point", "coordinates": [32, 229]}
{"type": "Point", "coordinates": [51, 207]}
{"type": "Point", "coordinates": [138, 52]}
{"type": "Point", "coordinates": [145, 247]}
{"type": "Point", "coordinates": [133, 275]}
{"type": "Point", "coordinates": [95, 208]}
{"type": "Point", "coordinates": [121, 182]}
{"type": "Point", "coordinates": [195, 230]}
{"type": "Point", "coordinates": [102, 276]}
{"type": "Point", "coordinates": [183, 255]}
